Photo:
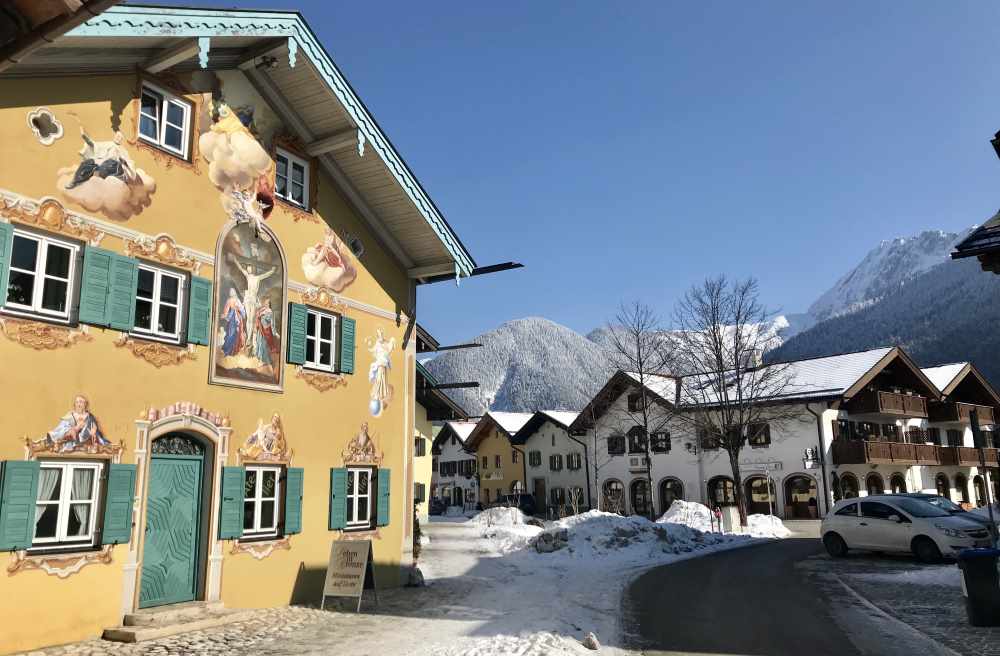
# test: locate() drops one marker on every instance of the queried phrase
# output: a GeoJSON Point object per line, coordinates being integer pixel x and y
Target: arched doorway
{"type": "Point", "coordinates": [760, 495]}
{"type": "Point", "coordinates": [897, 483]}
{"type": "Point", "coordinates": [174, 550]}
{"type": "Point", "coordinates": [800, 497]}
{"type": "Point", "coordinates": [979, 484]}
{"type": "Point", "coordinates": [671, 489]}
{"type": "Point", "coordinates": [639, 497]}
{"type": "Point", "coordinates": [941, 485]}
{"type": "Point", "coordinates": [962, 485]}
{"type": "Point", "coordinates": [457, 496]}
{"type": "Point", "coordinates": [613, 496]}
{"type": "Point", "coordinates": [874, 484]}
{"type": "Point", "coordinates": [849, 486]}
{"type": "Point", "coordinates": [721, 491]}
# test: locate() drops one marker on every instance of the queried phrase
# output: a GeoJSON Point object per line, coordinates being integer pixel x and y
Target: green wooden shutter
{"type": "Point", "coordinates": [121, 292]}
{"type": "Point", "coordinates": [95, 285]}
{"type": "Point", "coordinates": [346, 360]}
{"type": "Point", "coordinates": [338, 498]}
{"type": "Point", "coordinates": [297, 321]}
{"type": "Point", "coordinates": [6, 244]}
{"type": "Point", "coordinates": [293, 500]}
{"type": "Point", "coordinates": [118, 505]}
{"type": "Point", "coordinates": [231, 506]}
{"type": "Point", "coordinates": [18, 492]}
{"type": "Point", "coordinates": [199, 311]}
{"type": "Point", "coordinates": [383, 498]}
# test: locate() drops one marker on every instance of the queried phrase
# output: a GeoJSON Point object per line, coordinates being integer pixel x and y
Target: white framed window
{"type": "Point", "coordinates": [321, 340]}
{"type": "Point", "coordinates": [360, 499]}
{"type": "Point", "coordinates": [42, 275]}
{"type": "Point", "coordinates": [159, 297]}
{"type": "Point", "coordinates": [261, 491]}
{"type": "Point", "coordinates": [291, 178]}
{"type": "Point", "coordinates": [164, 120]}
{"type": "Point", "coordinates": [66, 506]}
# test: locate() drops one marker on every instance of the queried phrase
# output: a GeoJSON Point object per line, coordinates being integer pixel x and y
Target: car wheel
{"type": "Point", "coordinates": [835, 545]}
{"type": "Point", "coordinates": [925, 549]}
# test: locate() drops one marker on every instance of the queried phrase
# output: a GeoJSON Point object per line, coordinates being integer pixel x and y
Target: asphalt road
{"type": "Point", "coordinates": [747, 602]}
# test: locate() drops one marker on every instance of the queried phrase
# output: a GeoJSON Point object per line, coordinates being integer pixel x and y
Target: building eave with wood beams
{"type": "Point", "coordinates": [983, 244]}
{"type": "Point", "coordinates": [282, 58]}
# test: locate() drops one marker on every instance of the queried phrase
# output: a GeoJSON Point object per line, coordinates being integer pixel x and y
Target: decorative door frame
{"type": "Point", "coordinates": [214, 429]}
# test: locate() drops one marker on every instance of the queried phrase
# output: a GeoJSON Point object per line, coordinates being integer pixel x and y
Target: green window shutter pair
{"type": "Point", "coordinates": [107, 295]}
{"type": "Point", "coordinates": [338, 498]}
{"type": "Point", "coordinates": [231, 505]}
{"type": "Point", "coordinates": [6, 243]}
{"type": "Point", "coordinates": [19, 490]}
{"type": "Point", "coordinates": [298, 320]}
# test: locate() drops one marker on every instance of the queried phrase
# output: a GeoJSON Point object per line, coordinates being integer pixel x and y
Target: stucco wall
{"type": "Point", "coordinates": [422, 464]}
{"type": "Point", "coordinates": [454, 451]}
{"type": "Point", "coordinates": [542, 441]}
{"type": "Point", "coordinates": [43, 375]}
{"type": "Point", "coordinates": [490, 477]}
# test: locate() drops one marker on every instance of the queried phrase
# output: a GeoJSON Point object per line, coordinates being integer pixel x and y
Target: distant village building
{"type": "Point", "coordinates": [557, 472]}
{"type": "Point", "coordinates": [501, 463]}
{"type": "Point", "coordinates": [454, 483]}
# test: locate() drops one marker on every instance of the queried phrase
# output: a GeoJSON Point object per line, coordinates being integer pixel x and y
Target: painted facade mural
{"type": "Point", "coordinates": [267, 442]}
{"type": "Point", "coordinates": [378, 373]}
{"type": "Point", "coordinates": [250, 306]}
{"type": "Point", "coordinates": [328, 264]}
{"type": "Point", "coordinates": [76, 432]}
{"type": "Point", "coordinates": [362, 449]}
{"type": "Point", "coordinates": [106, 180]}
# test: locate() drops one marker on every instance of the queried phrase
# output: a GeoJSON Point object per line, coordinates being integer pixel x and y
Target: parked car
{"type": "Point", "coordinates": [437, 506]}
{"type": "Point", "coordinates": [526, 502]}
{"type": "Point", "coordinates": [886, 522]}
{"type": "Point", "coordinates": [948, 506]}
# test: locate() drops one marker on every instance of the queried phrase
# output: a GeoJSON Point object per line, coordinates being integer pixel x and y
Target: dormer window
{"type": "Point", "coordinates": [291, 179]}
{"type": "Point", "coordinates": [165, 120]}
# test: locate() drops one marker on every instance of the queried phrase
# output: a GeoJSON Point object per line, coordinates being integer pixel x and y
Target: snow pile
{"type": "Point", "coordinates": [454, 511]}
{"type": "Point", "coordinates": [506, 529]}
{"type": "Point", "coordinates": [529, 644]}
{"type": "Point", "coordinates": [947, 576]}
{"type": "Point", "coordinates": [766, 526]}
{"type": "Point", "coordinates": [501, 516]}
{"type": "Point", "coordinates": [689, 513]}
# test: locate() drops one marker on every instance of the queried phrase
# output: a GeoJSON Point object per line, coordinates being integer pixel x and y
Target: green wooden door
{"type": "Point", "coordinates": [173, 530]}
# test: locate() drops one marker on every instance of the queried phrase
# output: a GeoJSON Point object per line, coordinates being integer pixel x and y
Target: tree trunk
{"type": "Point", "coordinates": [734, 463]}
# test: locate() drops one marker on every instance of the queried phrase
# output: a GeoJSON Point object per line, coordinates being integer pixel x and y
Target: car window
{"type": "Point", "coordinates": [875, 510]}
{"type": "Point", "coordinates": [921, 508]}
{"type": "Point", "coordinates": [850, 509]}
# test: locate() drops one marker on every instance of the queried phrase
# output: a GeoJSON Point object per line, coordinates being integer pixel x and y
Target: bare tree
{"type": "Point", "coordinates": [636, 345]}
{"type": "Point", "coordinates": [729, 394]}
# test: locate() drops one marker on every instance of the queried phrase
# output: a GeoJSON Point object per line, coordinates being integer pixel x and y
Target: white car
{"type": "Point", "coordinates": [887, 522]}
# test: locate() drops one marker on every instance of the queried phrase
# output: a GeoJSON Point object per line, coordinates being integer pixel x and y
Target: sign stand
{"type": "Point", "coordinates": [350, 571]}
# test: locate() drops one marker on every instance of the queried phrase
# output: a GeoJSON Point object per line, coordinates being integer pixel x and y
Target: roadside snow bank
{"type": "Point", "coordinates": [506, 529]}
{"type": "Point", "coordinates": [501, 516]}
{"type": "Point", "coordinates": [766, 526]}
{"type": "Point", "coordinates": [946, 575]}
{"type": "Point", "coordinates": [689, 513]}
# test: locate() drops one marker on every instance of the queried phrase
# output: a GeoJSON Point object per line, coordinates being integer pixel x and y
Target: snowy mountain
{"type": "Point", "coordinates": [525, 365]}
{"type": "Point", "coordinates": [883, 270]}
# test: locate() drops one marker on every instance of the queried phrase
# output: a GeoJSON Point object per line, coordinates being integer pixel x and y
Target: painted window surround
{"type": "Point", "coordinates": [132, 21]}
{"type": "Point", "coordinates": [12, 200]}
{"type": "Point", "coordinates": [72, 288]}
{"type": "Point", "coordinates": [67, 498]}
{"type": "Point", "coordinates": [166, 98]}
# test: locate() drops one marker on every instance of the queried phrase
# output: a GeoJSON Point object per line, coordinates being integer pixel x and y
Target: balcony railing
{"type": "Point", "coordinates": [890, 403]}
{"type": "Point", "coordinates": [862, 452]}
{"type": "Point", "coordinates": [955, 411]}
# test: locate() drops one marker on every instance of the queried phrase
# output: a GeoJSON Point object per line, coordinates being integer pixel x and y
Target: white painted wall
{"type": "Point", "coordinates": [550, 438]}
{"type": "Point", "coordinates": [452, 451]}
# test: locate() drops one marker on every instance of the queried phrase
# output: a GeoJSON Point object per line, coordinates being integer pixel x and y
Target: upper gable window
{"type": "Point", "coordinates": [292, 178]}
{"type": "Point", "coordinates": [165, 120]}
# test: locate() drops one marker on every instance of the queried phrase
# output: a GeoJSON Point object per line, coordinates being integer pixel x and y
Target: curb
{"type": "Point", "coordinates": [892, 619]}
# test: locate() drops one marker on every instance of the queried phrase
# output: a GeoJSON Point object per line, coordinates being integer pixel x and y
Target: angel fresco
{"type": "Point", "coordinates": [328, 264]}
{"type": "Point", "coordinates": [378, 373]}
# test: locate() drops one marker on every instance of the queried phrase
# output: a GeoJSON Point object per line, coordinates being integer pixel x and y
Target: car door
{"type": "Point", "coordinates": [879, 532]}
{"type": "Point", "coordinates": [845, 523]}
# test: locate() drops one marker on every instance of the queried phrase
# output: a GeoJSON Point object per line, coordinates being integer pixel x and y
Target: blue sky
{"type": "Point", "coordinates": [628, 150]}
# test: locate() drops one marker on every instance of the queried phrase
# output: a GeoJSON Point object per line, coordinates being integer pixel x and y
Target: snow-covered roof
{"type": "Point", "coordinates": [832, 375]}
{"type": "Point", "coordinates": [560, 417]}
{"type": "Point", "coordinates": [462, 429]}
{"type": "Point", "coordinates": [942, 375]}
{"type": "Point", "coordinates": [510, 421]}
{"type": "Point", "coordinates": [664, 387]}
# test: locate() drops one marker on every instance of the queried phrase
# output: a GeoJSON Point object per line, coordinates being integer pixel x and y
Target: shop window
{"type": "Point", "coordinates": [158, 301]}
{"type": "Point", "coordinates": [291, 179]}
{"type": "Point", "coordinates": [41, 275]}
{"type": "Point", "coordinates": [261, 490]}
{"type": "Point", "coordinates": [165, 120]}
{"type": "Point", "coordinates": [66, 504]}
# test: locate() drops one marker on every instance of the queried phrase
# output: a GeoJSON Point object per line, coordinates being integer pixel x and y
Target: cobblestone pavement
{"type": "Point", "coordinates": [926, 597]}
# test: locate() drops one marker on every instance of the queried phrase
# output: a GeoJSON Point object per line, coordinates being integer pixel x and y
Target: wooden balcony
{"type": "Point", "coordinates": [967, 456]}
{"type": "Point", "coordinates": [890, 403]}
{"type": "Point", "coordinates": [863, 452]}
{"type": "Point", "coordinates": [956, 411]}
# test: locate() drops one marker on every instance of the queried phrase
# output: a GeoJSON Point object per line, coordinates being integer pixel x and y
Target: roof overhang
{"type": "Point", "coordinates": [896, 354]}
{"type": "Point", "coordinates": [965, 372]}
{"type": "Point", "coordinates": [282, 58]}
{"type": "Point", "coordinates": [28, 25]}
{"type": "Point", "coordinates": [439, 406]}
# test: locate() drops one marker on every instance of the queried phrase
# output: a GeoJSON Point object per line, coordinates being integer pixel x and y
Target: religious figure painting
{"type": "Point", "coordinates": [378, 373]}
{"type": "Point", "coordinates": [249, 314]}
{"type": "Point", "coordinates": [76, 432]}
{"type": "Point", "coordinates": [328, 263]}
{"type": "Point", "coordinates": [267, 442]}
{"type": "Point", "coordinates": [106, 180]}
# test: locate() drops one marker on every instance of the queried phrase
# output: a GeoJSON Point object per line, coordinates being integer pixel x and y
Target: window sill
{"type": "Point", "coordinates": [147, 337]}
{"type": "Point", "coordinates": [29, 315]}
{"type": "Point", "coordinates": [149, 143]}
{"type": "Point", "coordinates": [257, 539]}
{"type": "Point", "coordinates": [46, 551]}
{"type": "Point", "coordinates": [292, 204]}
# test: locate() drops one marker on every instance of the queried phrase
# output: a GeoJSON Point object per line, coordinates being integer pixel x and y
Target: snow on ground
{"type": "Point", "coordinates": [689, 513]}
{"type": "Point", "coordinates": [766, 526]}
{"type": "Point", "coordinates": [944, 575]}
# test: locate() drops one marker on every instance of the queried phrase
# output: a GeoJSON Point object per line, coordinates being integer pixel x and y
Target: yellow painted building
{"type": "Point", "coordinates": [501, 464]}
{"type": "Point", "coordinates": [208, 260]}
